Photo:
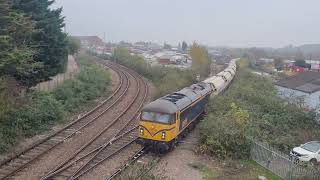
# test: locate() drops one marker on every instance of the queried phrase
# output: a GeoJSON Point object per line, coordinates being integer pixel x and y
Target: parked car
{"type": "Point", "coordinates": [308, 152]}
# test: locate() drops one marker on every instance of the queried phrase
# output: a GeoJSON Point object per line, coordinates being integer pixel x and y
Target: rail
{"type": "Point", "coordinates": [27, 156]}
{"type": "Point", "coordinates": [93, 162]}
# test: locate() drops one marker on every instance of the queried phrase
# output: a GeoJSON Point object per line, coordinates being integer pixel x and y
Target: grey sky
{"type": "Point", "coordinates": [215, 22]}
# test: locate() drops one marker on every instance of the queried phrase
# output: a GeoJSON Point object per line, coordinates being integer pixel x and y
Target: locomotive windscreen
{"type": "Point", "coordinates": [157, 117]}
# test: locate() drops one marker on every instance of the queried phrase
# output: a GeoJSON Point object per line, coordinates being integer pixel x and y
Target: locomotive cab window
{"type": "Point", "coordinates": [157, 117]}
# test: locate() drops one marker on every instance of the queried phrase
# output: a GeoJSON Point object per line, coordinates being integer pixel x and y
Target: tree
{"type": "Point", "coordinates": [278, 63]}
{"type": "Point", "coordinates": [48, 38]}
{"type": "Point", "coordinates": [166, 46]}
{"type": "Point", "coordinates": [120, 54]}
{"type": "Point", "coordinates": [184, 46]}
{"type": "Point", "coordinates": [73, 45]}
{"type": "Point", "coordinates": [301, 63]}
{"type": "Point", "coordinates": [16, 58]}
{"type": "Point", "coordinates": [200, 60]}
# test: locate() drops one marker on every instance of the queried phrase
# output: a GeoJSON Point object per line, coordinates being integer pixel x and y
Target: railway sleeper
{"type": "Point", "coordinates": [25, 157]}
{"type": "Point", "coordinates": [5, 170]}
{"type": "Point", "coordinates": [79, 125]}
{"type": "Point", "coordinates": [99, 158]}
{"type": "Point", "coordinates": [43, 147]}
{"type": "Point", "coordinates": [19, 160]}
{"type": "Point", "coordinates": [40, 149]}
{"type": "Point", "coordinates": [64, 134]}
{"type": "Point", "coordinates": [51, 142]}
{"type": "Point", "coordinates": [116, 147]}
{"type": "Point", "coordinates": [95, 161]}
{"type": "Point", "coordinates": [62, 176]}
{"type": "Point", "coordinates": [15, 165]}
{"type": "Point", "coordinates": [33, 154]}
{"type": "Point", "coordinates": [70, 130]}
{"type": "Point", "coordinates": [47, 144]}
{"type": "Point", "coordinates": [122, 141]}
{"type": "Point", "coordinates": [58, 139]}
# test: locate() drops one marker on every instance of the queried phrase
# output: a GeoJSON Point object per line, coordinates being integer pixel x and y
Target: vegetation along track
{"type": "Point", "coordinates": [132, 159]}
{"type": "Point", "coordinates": [18, 162]}
{"type": "Point", "coordinates": [122, 132]}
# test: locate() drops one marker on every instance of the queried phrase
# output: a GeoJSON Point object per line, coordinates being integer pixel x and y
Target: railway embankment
{"type": "Point", "coordinates": [251, 110]}
{"type": "Point", "coordinates": [101, 137]}
{"type": "Point", "coordinates": [41, 110]}
{"type": "Point", "coordinates": [219, 147]}
{"type": "Point", "coordinates": [71, 71]}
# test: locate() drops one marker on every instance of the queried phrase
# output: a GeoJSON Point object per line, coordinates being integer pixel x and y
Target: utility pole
{"type": "Point", "coordinates": [104, 43]}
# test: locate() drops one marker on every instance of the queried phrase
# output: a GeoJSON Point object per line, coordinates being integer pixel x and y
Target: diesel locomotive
{"type": "Point", "coordinates": [166, 120]}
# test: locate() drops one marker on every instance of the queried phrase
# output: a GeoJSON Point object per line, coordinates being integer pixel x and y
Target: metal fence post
{"type": "Point", "coordinates": [279, 163]}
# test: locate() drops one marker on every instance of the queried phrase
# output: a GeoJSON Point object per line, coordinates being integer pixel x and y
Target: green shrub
{"type": "Point", "coordinates": [36, 116]}
{"type": "Point", "coordinates": [173, 80]}
{"type": "Point", "coordinates": [270, 119]}
{"type": "Point", "coordinates": [224, 135]}
{"type": "Point", "coordinates": [89, 84]}
{"type": "Point", "coordinates": [42, 109]}
{"type": "Point", "coordinates": [29, 119]}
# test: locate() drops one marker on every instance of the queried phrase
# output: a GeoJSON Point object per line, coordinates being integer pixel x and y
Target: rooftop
{"type": "Point", "coordinates": [308, 82]}
{"type": "Point", "coordinates": [91, 40]}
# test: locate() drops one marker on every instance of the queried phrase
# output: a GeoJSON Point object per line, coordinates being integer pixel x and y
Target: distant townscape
{"type": "Point", "coordinates": [296, 77]}
{"type": "Point", "coordinates": [154, 54]}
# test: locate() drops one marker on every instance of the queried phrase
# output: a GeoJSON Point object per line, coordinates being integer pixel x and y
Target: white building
{"type": "Point", "coordinates": [305, 85]}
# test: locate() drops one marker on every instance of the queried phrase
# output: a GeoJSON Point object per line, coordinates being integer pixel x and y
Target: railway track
{"type": "Point", "coordinates": [132, 159]}
{"type": "Point", "coordinates": [84, 160]}
{"type": "Point", "coordinates": [22, 159]}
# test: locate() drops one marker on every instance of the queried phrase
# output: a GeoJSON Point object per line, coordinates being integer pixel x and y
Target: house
{"type": "Point", "coordinates": [315, 64]}
{"type": "Point", "coordinates": [266, 60]}
{"type": "Point", "coordinates": [90, 41]}
{"type": "Point", "coordinates": [304, 85]}
{"type": "Point", "coordinates": [164, 60]}
{"type": "Point", "coordinates": [297, 69]}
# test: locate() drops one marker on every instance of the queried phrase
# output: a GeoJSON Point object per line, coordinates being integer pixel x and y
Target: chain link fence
{"type": "Point", "coordinates": [281, 164]}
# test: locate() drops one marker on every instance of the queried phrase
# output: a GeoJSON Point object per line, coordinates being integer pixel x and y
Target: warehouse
{"type": "Point", "coordinates": [302, 88]}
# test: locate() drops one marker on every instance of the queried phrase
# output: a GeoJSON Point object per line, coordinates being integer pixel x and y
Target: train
{"type": "Point", "coordinates": [165, 121]}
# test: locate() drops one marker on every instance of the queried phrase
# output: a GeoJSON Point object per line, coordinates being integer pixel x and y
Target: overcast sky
{"type": "Point", "coordinates": [237, 23]}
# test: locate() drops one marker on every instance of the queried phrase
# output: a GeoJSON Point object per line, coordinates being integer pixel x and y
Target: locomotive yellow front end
{"type": "Point", "coordinates": [157, 125]}
{"type": "Point", "coordinates": [164, 121]}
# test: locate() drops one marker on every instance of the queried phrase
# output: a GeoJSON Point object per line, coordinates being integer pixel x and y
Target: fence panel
{"type": "Point", "coordinates": [55, 81]}
{"type": "Point", "coordinates": [71, 72]}
{"type": "Point", "coordinates": [280, 163]}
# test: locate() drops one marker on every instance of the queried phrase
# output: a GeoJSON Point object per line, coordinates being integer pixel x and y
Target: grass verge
{"type": "Point", "coordinates": [244, 169]}
{"type": "Point", "coordinates": [207, 173]}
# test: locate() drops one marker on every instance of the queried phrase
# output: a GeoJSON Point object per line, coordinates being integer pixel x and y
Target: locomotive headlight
{"type": "Point", "coordinates": [141, 131]}
{"type": "Point", "coordinates": [163, 135]}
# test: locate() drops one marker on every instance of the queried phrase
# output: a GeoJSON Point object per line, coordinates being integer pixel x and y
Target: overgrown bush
{"type": "Point", "coordinates": [42, 109]}
{"type": "Point", "coordinates": [225, 135]}
{"type": "Point", "coordinates": [33, 117]}
{"type": "Point", "coordinates": [89, 84]}
{"type": "Point", "coordinates": [270, 119]}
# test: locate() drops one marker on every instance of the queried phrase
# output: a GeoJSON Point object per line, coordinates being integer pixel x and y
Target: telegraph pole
{"type": "Point", "coordinates": [104, 42]}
